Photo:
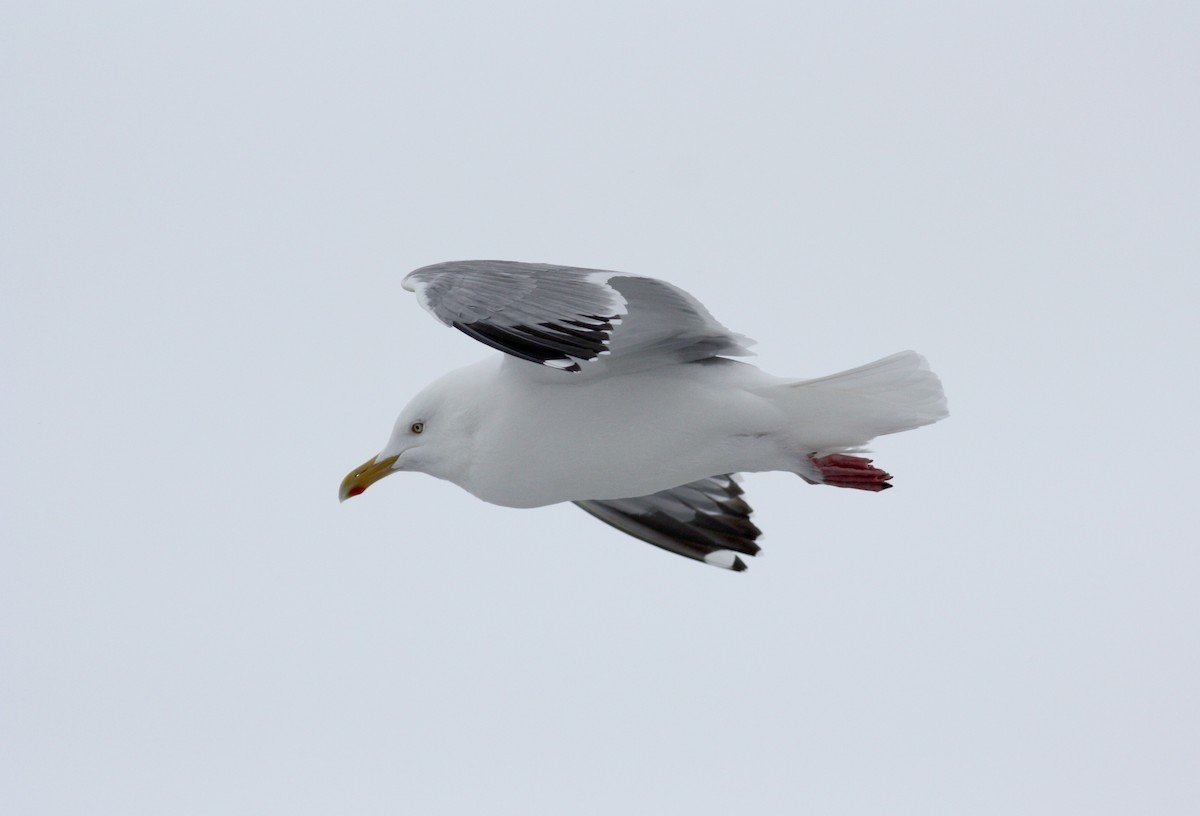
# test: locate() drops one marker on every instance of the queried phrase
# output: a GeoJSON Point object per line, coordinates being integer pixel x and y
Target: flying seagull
{"type": "Point", "coordinates": [617, 392]}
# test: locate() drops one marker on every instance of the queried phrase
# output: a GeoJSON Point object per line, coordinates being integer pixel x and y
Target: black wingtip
{"type": "Point", "coordinates": [886, 486]}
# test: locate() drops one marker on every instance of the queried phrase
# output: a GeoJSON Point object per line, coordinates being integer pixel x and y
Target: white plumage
{"type": "Point", "coordinates": [617, 392]}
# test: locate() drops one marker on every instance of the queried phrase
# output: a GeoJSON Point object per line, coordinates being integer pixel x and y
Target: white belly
{"type": "Point", "coordinates": [541, 443]}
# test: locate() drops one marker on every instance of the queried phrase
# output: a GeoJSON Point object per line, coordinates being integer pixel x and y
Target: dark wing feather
{"type": "Point", "coordinates": [564, 317]}
{"type": "Point", "coordinates": [707, 520]}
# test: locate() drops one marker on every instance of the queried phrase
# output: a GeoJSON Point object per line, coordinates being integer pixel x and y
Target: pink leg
{"type": "Point", "coordinates": [840, 470]}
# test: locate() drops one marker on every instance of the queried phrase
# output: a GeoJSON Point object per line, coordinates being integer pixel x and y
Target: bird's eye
{"type": "Point", "coordinates": [417, 427]}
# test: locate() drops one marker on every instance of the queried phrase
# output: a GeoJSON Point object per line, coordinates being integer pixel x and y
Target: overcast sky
{"type": "Point", "coordinates": [206, 215]}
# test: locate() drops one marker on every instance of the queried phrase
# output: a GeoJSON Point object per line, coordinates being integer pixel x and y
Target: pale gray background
{"type": "Point", "coordinates": [207, 212]}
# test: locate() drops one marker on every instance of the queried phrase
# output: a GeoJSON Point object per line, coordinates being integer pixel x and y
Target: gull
{"type": "Point", "coordinates": [618, 393]}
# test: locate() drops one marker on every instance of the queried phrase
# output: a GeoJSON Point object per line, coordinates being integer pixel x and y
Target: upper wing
{"type": "Point", "coordinates": [707, 520]}
{"type": "Point", "coordinates": [562, 316]}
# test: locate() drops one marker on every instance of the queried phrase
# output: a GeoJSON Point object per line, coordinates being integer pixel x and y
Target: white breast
{"type": "Point", "coordinates": [542, 442]}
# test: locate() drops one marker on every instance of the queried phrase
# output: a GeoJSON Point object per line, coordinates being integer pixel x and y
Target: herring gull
{"type": "Point", "coordinates": [617, 392]}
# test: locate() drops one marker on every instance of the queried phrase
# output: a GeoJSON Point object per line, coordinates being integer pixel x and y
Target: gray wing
{"type": "Point", "coordinates": [707, 520]}
{"type": "Point", "coordinates": [565, 317]}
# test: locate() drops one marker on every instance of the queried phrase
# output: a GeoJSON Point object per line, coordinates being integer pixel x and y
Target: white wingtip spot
{"type": "Point", "coordinates": [725, 559]}
{"type": "Point", "coordinates": [560, 364]}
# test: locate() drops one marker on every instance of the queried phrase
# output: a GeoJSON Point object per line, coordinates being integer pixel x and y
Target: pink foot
{"type": "Point", "coordinates": [840, 470]}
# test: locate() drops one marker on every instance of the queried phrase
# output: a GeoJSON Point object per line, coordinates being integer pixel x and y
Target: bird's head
{"type": "Point", "coordinates": [431, 435]}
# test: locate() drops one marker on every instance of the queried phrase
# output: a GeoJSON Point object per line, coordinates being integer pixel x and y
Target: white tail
{"type": "Point", "coordinates": [843, 412]}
